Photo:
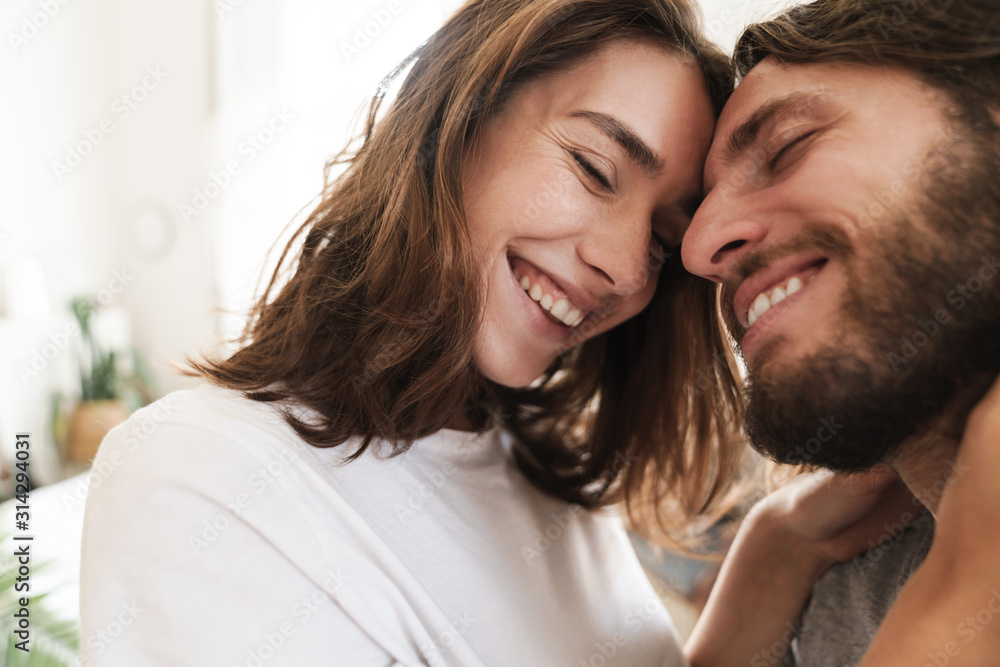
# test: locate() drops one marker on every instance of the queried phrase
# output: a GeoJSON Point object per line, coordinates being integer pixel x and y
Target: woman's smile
{"type": "Point", "coordinates": [555, 301]}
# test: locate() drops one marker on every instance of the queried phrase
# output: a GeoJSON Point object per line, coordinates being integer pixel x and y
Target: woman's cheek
{"type": "Point", "coordinates": [557, 205]}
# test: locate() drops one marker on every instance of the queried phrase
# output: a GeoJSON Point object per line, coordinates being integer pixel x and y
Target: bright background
{"type": "Point", "coordinates": [118, 119]}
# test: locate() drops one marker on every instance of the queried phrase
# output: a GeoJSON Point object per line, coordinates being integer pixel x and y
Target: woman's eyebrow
{"type": "Point", "coordinates": [637, 149]}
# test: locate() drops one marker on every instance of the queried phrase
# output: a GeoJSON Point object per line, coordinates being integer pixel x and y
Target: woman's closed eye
{"type": "Point", "coordinates": [592, 171]}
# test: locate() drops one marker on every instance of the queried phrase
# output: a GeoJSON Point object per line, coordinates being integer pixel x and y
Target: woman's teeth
{"type": "Point", "coordinates": [561, 310]}
{"type": "Point", "coordinates": [764, 301]}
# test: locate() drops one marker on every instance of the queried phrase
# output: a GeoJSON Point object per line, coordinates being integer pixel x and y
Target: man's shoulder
{"type": "Point", "coordinates": [881, 572]}
{"type": "Point", "coordinates": [851, 599]}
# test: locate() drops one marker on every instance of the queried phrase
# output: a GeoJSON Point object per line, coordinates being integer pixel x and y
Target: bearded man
{"type": "Point", "coordinates": [852, 219]}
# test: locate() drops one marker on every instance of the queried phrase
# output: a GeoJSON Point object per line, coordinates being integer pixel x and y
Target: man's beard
{"type": "Point", "coordinates": [913, 351]}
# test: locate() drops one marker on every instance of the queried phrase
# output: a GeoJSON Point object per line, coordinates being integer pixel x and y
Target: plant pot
{"type": "Point", "coordinates": [89, 423]}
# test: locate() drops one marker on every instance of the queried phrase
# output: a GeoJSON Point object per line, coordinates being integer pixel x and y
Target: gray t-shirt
{"type": "Point", "coordinates": [850, 600]}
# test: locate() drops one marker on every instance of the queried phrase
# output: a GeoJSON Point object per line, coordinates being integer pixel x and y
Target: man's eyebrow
{"type": "Point", "coordinates": [747, 133]}
{"type": "Point", "coordinates": [623, 135]}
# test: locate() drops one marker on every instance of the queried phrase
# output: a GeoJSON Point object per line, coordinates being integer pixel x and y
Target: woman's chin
{"type": "Point", "coordinates": [513, 376]}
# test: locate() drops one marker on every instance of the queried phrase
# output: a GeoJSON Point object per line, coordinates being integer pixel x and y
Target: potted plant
{"type": "Point", "coordinates": [107, 394]}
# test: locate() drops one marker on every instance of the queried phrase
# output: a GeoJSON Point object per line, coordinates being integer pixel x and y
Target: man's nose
{"type": "Point", "coordinates": [719, 236]}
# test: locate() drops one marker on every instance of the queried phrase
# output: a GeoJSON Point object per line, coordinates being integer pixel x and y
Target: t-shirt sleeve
{"type": "Point", "coordinates": [185, 560]}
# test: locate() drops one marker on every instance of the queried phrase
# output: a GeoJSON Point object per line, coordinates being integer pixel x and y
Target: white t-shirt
{"type": "Point", "coordinates": [213, 535]}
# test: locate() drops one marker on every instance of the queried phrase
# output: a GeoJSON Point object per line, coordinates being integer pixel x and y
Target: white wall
{"type": "Point", "coordinates": [78, 162]}
{"type": "Point", "coordinates": [323, 61]}
{"type": "Point", "coordinates": [726, 19]}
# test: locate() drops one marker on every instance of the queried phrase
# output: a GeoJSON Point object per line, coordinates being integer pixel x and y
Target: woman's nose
{"type": "Point", "coordinates": [618, 251]}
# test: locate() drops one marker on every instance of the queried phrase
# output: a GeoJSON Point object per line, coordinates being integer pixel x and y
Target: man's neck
{"type": "Point", "coordinates": [927, 464]}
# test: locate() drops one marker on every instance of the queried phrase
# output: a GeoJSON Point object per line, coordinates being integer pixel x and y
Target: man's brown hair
{"type": "Point", "coordinates": [952, 45]}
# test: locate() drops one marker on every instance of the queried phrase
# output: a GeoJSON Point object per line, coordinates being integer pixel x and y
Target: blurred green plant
{"type": "Point", "coordinates": [99, 381]}
{"type": "Point", "coordinates": [54, 641]}
{"type": "Point", "coordinates": [101, 374]}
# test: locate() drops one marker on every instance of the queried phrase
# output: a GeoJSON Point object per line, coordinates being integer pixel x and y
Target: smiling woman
{"type": "Point", "coordinates": [619, 182]}
{"type": "Point", "coordinates": [477, 331]}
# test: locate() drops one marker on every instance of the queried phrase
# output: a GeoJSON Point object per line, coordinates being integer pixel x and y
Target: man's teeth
{"type": "Point", "coordinates": [562, 309]}
{"type": "Point", "coordinates": [763, 302]}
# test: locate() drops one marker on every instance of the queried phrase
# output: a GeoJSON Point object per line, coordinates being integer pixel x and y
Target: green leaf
{"type": "Point", "coordinates": [54, 640]}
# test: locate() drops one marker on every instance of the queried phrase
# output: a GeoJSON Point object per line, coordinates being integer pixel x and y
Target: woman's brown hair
{"type": "Point", "coordinates": [369, 318]}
